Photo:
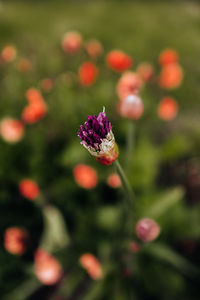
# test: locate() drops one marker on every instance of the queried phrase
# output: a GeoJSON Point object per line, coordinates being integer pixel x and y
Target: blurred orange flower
{"type": "Point", "coordinates": [15, 240]}
{"type": "Point", "coordinates": [167, 108]}
{"type": "Point", "coordinates": [145, 71]}
{"type": "Point", "coordinates": [47, 268]}
{"type": "Point", "coordinates": [11, 130]}
{"type": "Point", "coordinates": [85, 176]}
{"type": "Point", "coordinates": [94, 48]}
{"type": "Point", "coordinates": [168, 56]}
{"type": "Point", "coordinates": [92, 265]}
{"type": "Point", "coordinates": [8, 53]}
{"type": "Point", "coordinates": [118, 60]}
{"type": "Point", "coordinates": [171, 76]}
{"type": "Point", "coordinates": [131, 107]}
{"type": "Point", "coordinates": [72, 42]}
{"type": "Point", "coordinates": [29, 189]}
{"type": "Point", "coordinates": [147, 230]}
{"type": "Point", "coordinates": [129, 83]}
{"type": "Point", "coordinates": [114, 180]}
{"type": "Point", "coordinates": [36, 109]}
{"type": "Point", "coordinates": [87, 73]}
{"type": "Point", "coordinates": [24, 65]}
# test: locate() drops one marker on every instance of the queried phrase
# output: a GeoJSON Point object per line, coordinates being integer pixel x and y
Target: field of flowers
{"type": "Point", "coordinates": [99, 150]}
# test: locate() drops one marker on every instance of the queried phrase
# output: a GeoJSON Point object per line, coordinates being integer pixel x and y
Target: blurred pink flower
{"type": "Point", "coordinates": [147, 230]}
{"type": "Point", "coordinates": [145, 71]}
{"type": "Point", "coordinates": [131, 107]}
{"type": "Point", "coordinates": [72, 42]}
{"type": "Point", "coordinates": [11, 130]}
{"type": "Point", "coordinates": [47, 268]}
{"type": "Point", "coordinates": [129, 83]}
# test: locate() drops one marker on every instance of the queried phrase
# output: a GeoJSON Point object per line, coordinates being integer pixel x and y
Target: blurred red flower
{"type": "Point", "coordinates": [131, 107]}
{"type": "Point", "coordinates": [71, 42]}
{"type": "Point", "coordinates": [29, 189]}
{"type": "Point", "coordinates": [87, 73]}
{"type": "Point", "coordinates": [118, 60]}
{"type": "Point", "coordinates": [94, 48]}
{"type": "Point", "coordinates": [168, 56]}
{"type": "Point", "coordinates": [129, 83]}
{"type": "Point", "coordinates": [114, 180]}
{"type": "Point", "coordinates": [15, 240]}
{"type": "Point", "coordinates": [36, 109]}
{"type": "Point", "coordinates": [145, 71]}
{"type": "Point", "coordinates": [92, 265]}
{"type": "Point", "coordinates": [85, 176]}
{"type": "Point", "coordinates": [171, 76]}
{"type": "Point", "coordinates": [11, 130]}
{"type": "Point", "coordinates": [147, 230]}
{"type": "Point", "coordinates": [167, 108]}
{"type": "Point", "coordinates": [8, 53]}
{"type": "Point", "coordinates": [47, 268]}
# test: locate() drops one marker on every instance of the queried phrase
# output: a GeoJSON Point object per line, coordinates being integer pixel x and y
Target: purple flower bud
{"type": "Point", "coordinates": [97, 137]}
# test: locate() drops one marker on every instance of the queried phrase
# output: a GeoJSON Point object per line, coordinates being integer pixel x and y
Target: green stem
{"type": "Point", "coordinates": [130, 143]}
{"type": "Point", "coordinates": [125, 182]}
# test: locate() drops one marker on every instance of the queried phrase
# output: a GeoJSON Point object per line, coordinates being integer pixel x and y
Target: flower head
{"type": "Point", "coordinates": [85, 176]}
{"type": "Point", "coordinates": [118, 60]}
{"type": "Point", "coordinates": [97, 137]}
{"type": "Point", "coordinates": [29, 189]}
{"type": "Point", "coordinates": [147, 230]}
{"type": "Point", "coordinates": [47, 269]}
{"type": "Point", "coordinates": [171, 76]}
{"type": "Point", "coordinates": [71, 42]}
{"type": "Point", "coordinates": [167, 109]}
{"type": "Point", "coordinates": [92, 265]}
{"type": "Point", "coordinates": [11, 130]}
{"type": "Point", "coordinates": [168, 56]}
{"type": "Point", "coordinates": [15, 240]}
{"type": "Point", "coordinates": [88, 73]}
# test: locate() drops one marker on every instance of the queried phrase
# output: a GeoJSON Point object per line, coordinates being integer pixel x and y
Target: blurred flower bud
{"type": "Point", "coordinates": [92, 265]}
{"type": "Point", "coordinates": [131, 107]}
{"type": "Point", "coordinates": [167, 109]}
{"type": "Point", "coordinates": [118, 60]}
{"type": "Point", "coordinates": [145, 71]}
{"type": "Point", "coordinates": [47, 268]}
{"type": "Point", "coordinates": [71, 42]}
{"type": "Point", "coordinates": [8, 53]}
{"type": "Point", "coordinates": [85, 176]}
{"type": "Point", "coordinates": [94, 48]}
{"type": "Point", "coordinates": [171, 76]}
{"type": "Point", "coordinates": [47, 84]}
{"type": "Point", "coordinates": [114, 180]}
{"type": "Point", "coordinates": [87, 73]}
{"type": "Point", "coordinates": [11, 130]}
{"type": "Point", "coordinates": [15, 240]}
{"type": "Point", "coordinates": [147, 230]}
{"type": "Point", "coordinates": [129, 83]}
{"type": "Point", "coordinates": [168, 56]}
{"type": "Point", "coordinates": [24, 65]}
{"type": "Point", "coordinates": [29, 189]}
